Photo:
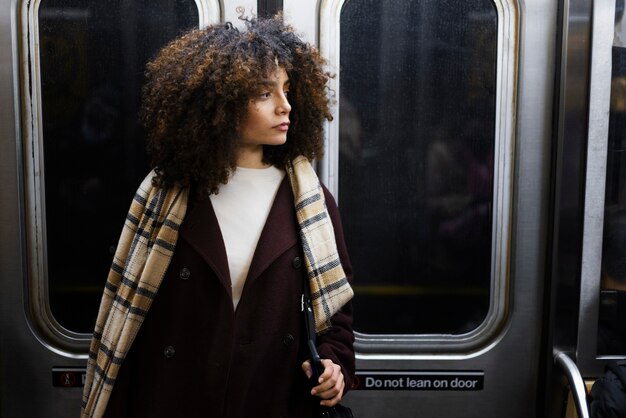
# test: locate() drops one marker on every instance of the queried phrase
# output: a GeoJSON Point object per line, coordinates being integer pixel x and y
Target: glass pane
{"type": "Point", "coordinates": [612, 324]}
{"type": "Point", "coordinates": [416, 157]}
{"type": "Point", "coordinates": [92, 57]}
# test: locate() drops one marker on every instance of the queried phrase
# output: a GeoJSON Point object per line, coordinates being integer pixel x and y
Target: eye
{"type": "Point", "coordinates": [265, 95]}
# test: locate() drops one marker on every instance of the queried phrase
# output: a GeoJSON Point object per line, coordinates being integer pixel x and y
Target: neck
{"type": "Point", "coordinates": [251, 157]}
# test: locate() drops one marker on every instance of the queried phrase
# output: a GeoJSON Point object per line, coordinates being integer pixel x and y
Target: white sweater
{"type": "Point", "coordinates": [241, 207]}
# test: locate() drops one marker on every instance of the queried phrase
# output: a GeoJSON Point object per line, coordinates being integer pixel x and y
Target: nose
{"type": "Point", "coordinates": [283, 106]}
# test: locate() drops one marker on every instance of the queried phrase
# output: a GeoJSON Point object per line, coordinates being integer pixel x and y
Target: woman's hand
{"type": "Point", "coordinates": [331, 382]}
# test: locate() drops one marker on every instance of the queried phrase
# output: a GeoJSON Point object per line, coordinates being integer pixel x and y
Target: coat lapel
{"type": "Point", "coordinates": [278, 235]}
{"type": "Point", "coordinates": [202, 231]}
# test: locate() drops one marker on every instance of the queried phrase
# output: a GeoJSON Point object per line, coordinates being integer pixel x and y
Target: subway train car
{"type": "Point", "coordinates": [475, 154]}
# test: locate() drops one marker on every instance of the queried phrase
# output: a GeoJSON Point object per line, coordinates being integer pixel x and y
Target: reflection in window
{"type": "Point", "coordinates": [612, 323]}
{"type": "Point", "coordinates": [416, 157]}
{"type": "Point", "coordinates": [92, 55]}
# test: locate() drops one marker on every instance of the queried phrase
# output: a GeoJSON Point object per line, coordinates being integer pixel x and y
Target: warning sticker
{"type": "Point", "coordinates": [419, 380]}
{"type": "Point", "coordinates": [68, 377]}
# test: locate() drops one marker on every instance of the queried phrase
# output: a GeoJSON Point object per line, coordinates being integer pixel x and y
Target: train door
{"type": "Point", "coordinates": [440, 159]}
{"type": "Point", "coordinates": [70, 147]}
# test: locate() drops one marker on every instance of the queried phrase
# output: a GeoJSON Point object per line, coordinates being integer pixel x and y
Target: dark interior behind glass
{"type": "Point", "coordinates": [612, 327]}
{"type": "Point", "coordinates": [417, 133]}
{"type": "Point", "coordinates": [92, 56]}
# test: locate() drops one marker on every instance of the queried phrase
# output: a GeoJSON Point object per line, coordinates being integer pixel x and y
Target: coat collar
{"type": "Point", "coordinates": [201, 230]}
{"type": "Point", "coordinates": [279, 233]}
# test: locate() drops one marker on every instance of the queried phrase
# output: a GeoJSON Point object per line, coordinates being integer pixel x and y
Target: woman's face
{"type": "Point", "coordinates": [267, 118]}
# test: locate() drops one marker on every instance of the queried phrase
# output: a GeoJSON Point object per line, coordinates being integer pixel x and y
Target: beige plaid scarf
{"type": "Point", "coordinates": [143, 254]}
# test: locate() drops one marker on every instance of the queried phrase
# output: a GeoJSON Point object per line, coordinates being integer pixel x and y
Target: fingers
{"type": "Point", "coordinates": [331, 384]}
{"type": "Point", "coordinates": [307, 368]}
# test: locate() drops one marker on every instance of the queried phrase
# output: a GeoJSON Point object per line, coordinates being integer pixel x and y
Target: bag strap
{"type": "Point", "coordinates": [316, 362]}
{"type": "Point", "coordinates": [309, 322]}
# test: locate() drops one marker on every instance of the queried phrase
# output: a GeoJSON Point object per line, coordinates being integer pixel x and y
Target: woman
{"type": "Point", "coordinates": [201, 314]}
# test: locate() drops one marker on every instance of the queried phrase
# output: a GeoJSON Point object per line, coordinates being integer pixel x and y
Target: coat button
{"type": "Point", "coordinates": [296, 263]}
{"type": "Point", "coordinates": [169, 352]}
{"type": "Point", "coordinates": [288, 339]}
{"type": "Point", "coordinates": [185, 273]}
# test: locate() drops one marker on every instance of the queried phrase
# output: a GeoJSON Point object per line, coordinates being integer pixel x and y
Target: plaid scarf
{"type": "Point", "coordinates": [143, 255]}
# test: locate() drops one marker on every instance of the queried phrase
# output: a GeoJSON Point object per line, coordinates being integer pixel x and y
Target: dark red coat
{"type": "Point", "coordinates": [194, 356]}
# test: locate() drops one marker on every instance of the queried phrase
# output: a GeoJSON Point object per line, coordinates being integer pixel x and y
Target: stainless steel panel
{"type": "Point", "coordinates": [603, 14]}
{"type": "Point", "coordinates": [512, 361]}
{"type": "Point", "coordinates": [570, 127]}
{"type": "Point", "coordinates": [25, 364]}
{"type": "Point", "coordinates": [571, 132]}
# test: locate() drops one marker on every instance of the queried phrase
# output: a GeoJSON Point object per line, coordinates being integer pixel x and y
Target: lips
{"type": "Point", "coordinates": [283, 126]}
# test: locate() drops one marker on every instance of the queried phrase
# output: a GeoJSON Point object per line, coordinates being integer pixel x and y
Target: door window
{"type": "Point", "coordinates": [91, 60]}
{"type": "Point", "coordinates": [416, 154]}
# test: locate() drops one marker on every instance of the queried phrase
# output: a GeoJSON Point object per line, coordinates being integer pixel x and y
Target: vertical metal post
{"type": "Point", "coordinates": [269, 8]}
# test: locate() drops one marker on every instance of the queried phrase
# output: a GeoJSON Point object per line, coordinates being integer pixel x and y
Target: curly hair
{"type": "Point", "coordinates": [197, 92]}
